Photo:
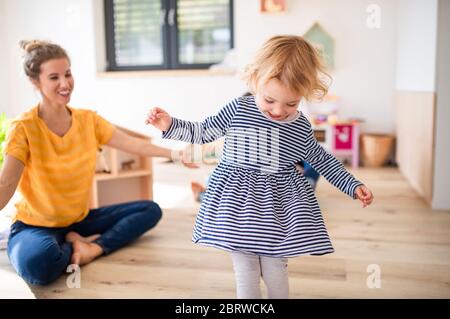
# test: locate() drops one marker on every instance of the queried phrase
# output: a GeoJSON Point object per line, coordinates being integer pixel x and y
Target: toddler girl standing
{"type": "Point", "coordinates": [256, 205]}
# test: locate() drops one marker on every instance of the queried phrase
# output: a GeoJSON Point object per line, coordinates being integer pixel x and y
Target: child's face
{"type": "Point", "coordinates": [277, 101]}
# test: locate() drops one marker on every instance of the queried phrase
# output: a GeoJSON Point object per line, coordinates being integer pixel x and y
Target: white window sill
{"type": "Point", "coordinates": [164, 73]}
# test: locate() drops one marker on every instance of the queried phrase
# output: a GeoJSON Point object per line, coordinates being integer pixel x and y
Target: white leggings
{"type": "Point", "coordinates": [248, 271]}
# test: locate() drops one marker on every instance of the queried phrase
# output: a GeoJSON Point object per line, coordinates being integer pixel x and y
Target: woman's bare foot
{"type": "Point", "coordinates": [197, 188]}
{"type": "Point", "coordinates": [85, 252]}
{"type": "Point", "coordinates": [73, 236]}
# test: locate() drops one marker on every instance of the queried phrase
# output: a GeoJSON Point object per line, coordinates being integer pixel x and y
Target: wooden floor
{"type": "Point", "coordinates": [399, 233]}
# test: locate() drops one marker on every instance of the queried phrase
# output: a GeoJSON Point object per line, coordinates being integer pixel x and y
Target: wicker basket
{"type": "Point", "coordinates": [376, 149]}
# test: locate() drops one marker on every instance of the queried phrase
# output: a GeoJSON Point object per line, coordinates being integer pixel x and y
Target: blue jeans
{"type": "Point", "coordinates": [310, 174]}
{"type": "Point", "coordinates": [40, 254]}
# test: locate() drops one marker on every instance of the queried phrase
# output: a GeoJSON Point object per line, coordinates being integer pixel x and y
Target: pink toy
{"type": "Point", "coordinates": [344, 141]}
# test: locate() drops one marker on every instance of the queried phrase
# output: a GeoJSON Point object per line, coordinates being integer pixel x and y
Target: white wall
{"type": "Point", "coordinates": [416, 45]}
{"type": "Point", "coordinates": [423, 66]}
{"type": "Point", "coordinates": [122, 100]}
{"type": "Point", "coordinates": [365, 58]}
{"type": "Point", "coordinates": [364, 75]}
{"type": "Point", "coordinates": [441, 184]}
{"type": "Point", "coordinates": [4, 96]}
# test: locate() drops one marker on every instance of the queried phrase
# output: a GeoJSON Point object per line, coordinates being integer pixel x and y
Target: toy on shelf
{"type": "Point", "coordinates": [325, 111]}
{"type": "Point", "coordinates": [338, 136]}
{"type": "Point", "coordinates": [128, 165]}
{"type": "Point", "coordinates": [102, 165]}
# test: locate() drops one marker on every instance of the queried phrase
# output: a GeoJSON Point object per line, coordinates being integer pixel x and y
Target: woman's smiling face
{"type": "Point", "coordinates": [55, 81]}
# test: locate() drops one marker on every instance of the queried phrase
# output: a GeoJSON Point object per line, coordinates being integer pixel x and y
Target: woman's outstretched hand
{"type": "Point", "coordinates": [364, 195]}
{"type": "Point", "coordinates": [159, 119]}
{"type": "Point", "coordinates": [185, 157]}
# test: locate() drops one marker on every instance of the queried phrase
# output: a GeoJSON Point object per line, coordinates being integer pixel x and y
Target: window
{"type": "Point", "coordinates": [167, 34]}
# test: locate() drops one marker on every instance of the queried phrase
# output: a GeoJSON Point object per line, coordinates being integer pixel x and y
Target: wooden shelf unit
{"type": "Point", "coordinates": [119, 185]}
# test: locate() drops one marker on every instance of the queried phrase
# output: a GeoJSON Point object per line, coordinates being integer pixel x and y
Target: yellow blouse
{"type": "Point", "coordinates": [59, 171]}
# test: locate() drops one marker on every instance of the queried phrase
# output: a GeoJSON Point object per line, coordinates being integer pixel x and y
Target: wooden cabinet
{"type": "Point", "coordinates": [122, 177]}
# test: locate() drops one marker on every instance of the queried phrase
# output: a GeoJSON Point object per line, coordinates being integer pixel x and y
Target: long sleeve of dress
{"type": "Point", "coordinates": [327, 165]}
{"type": "Point", "coordinates": [209, 130]}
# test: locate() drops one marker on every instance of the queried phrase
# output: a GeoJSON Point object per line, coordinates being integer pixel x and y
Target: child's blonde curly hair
{"type": "Point", "coordinates": [293, 61]}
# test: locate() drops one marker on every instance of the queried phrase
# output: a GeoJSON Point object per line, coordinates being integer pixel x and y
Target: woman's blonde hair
{"type": "Point", "coordinates": [37, 52]}
{"type": "Point", "coordinates": [293, 61]}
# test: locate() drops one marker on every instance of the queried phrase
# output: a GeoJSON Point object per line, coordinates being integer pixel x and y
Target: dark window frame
{"type": "Point", "coordinates": [169, 45]}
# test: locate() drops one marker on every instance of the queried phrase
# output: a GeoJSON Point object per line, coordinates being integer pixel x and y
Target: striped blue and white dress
{"type": "Point", "coordinates": [256, 201]}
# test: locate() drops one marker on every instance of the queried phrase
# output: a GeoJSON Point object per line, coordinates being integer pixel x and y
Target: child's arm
{"type": "Point", "coordinates": [332, 169]}
{"type": "Point", "coordinates": [209, 130]}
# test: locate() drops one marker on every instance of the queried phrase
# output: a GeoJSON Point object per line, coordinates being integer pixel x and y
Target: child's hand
{"type": "Point", "coordinates": [364, 195]}
{"type": "Point", "coordinates": [159, 119]}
